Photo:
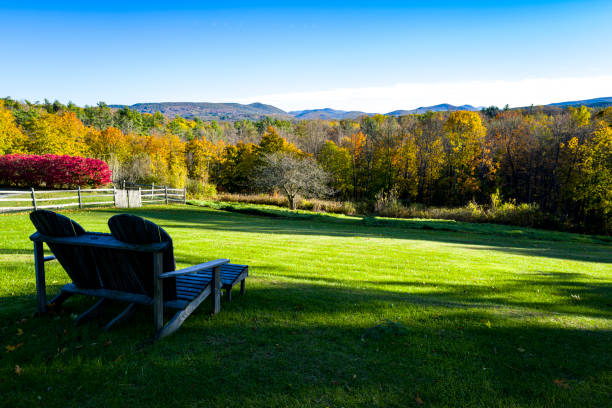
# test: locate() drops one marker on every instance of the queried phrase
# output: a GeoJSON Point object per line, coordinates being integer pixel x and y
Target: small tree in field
{"type": "Point", "coordinates": [292, 175]}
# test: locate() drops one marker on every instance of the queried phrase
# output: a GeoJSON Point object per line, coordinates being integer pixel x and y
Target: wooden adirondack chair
{"type": "Point", "coordinates": [134, 264]}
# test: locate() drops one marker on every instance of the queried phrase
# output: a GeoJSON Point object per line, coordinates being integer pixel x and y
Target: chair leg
{"type": "Point", "coordinates": [39, 266]}
{"type": "Point", "coordinates": [127, 314]}
{"type": "Point", "coordinates": [60, 298]}
{"type": "Point", "coordinates": [229, 293]}
{"type": "Point", "coordinates": [216, 290]}
{"type": "Point", "coordinates": [242, 284]}
{"type": "Point", "coordinates": [92, 312]}
{"type": "Point", "coordinates": [178, 319]}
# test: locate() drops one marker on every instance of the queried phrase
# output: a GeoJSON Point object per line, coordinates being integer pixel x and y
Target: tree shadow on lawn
{"type": "Point", "coordinates": [16, 251]}
{"type": "Point", "coordinates": [593, 298]}
{"type": "Point", "coordinates": [512, 240]}
{"type": "Point", "coordinates": [304, 345]}
{"type": "Point", "coordinates": [590, 299]}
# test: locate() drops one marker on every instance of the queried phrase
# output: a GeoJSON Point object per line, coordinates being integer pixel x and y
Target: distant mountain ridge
{"type": "Point", "coordinates": [589, 103]}
{"type": "Point", "coordinates": [210, 110]}
{"type": "Point", "coordinates": [443, 107]}
{"type": "Point", "coordinates": [327, 113]}
{"type": "Point", "coordinates": [255, 111]}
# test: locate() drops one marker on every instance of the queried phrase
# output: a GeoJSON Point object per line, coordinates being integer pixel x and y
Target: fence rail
{"type": "Point", "coordinates": [33, 199]}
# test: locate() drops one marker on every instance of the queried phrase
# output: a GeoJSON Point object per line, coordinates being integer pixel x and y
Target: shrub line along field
{"type": "Point", "coordinates": [339, 311]}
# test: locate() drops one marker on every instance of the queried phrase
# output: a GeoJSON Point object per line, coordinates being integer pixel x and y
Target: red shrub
{"type": "Point", "coordinates": [52, 171]}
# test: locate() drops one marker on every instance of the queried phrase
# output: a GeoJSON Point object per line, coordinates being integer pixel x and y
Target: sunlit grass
{"type": "Point", "coordinates": [339, 311]}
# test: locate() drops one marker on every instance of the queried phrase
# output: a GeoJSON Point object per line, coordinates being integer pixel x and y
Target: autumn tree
{"type": "Point", "coordinates": [371, 129]}
{"type": "Point", "coordinates": [12, 140]}
{"type": "Point", "coordinates": [513, 140]}
{"type": "Point", "coordinates": [292, 175]}
{"type": "Point", "coordinates": [355, 145]}
{"type": "Point", "coordinates": [404, 161]}
{"type": "Point", "coordinates": [60, 134]}
{"type": "Point", "coordinates": [311, 135]}
{"type": "Point", "coordinates": [108, 142]}
{"type": "Point", "coordinates": [390, 155]}
{"type": "Point", "coordinates": [200, 157]}
{"type": "Point", "coordinates": [586, 175]}
{"type": "Point", "coordinates": [427, 133]}
{"type": "Point", "coordinates": [236, 164]}
{"type": "Point", "coordinates": [465, 135]}
{"type": "Point", "coordinates": [152, 122]}
{"type": "Point", "coordinates": [595, 190]}
{"type": "Point", "coordinates": [177, 169]}
{"type": "Point", "coordinates": [272, 142]}
{"type": "Point", "coordinates": [181, 127]}
{"type": "Point", "coordinates": [336, 161]}
{"type": "Point", "coordinates": [570, 128]}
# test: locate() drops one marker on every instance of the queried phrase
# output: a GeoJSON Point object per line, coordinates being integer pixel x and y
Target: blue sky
{"type": "Point", "coordinates": [372, 56]}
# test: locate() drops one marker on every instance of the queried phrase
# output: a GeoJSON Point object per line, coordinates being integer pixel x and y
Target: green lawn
{"type": "Point", "coordinates": [338, 312]}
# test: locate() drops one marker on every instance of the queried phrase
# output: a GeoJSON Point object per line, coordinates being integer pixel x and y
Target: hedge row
{"type": "Point", "coordinates": [52, 171]}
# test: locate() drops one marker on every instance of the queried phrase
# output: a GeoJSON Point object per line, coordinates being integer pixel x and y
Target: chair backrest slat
{"type": "Point", "coordinates": [134, 272]}
{"type": "Point", "coordinates": [78, 261]}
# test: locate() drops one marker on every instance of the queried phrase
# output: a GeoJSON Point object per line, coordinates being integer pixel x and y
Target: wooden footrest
{"type": "Point", "coordinates": [231, 274]}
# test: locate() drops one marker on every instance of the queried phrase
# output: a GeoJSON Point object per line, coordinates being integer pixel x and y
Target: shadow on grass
{"type": "Point", "coordinates": [304, 345]}
{"type": "Point", "coordinates": [592, 299]}
{"type": "Point", "coordinates": [16, 251]}
{"type": "Point", "coordinates": [511, 240]}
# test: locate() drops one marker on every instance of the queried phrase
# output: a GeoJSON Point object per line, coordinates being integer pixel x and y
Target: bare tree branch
{"type": "Point", "coordinates": [293, 175]}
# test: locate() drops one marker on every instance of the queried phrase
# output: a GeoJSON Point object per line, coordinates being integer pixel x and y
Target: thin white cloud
{"type": "Point", "coordinates": [412, 95]}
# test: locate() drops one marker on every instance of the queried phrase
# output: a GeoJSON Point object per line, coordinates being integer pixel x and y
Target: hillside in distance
{"type": "Point", "coordinates": [589, 103]}
{"type": "Point", "coordinates": [327, 114]}
{"type": "Point", "coordinates": [443, 107]}
{"type": "Point", "coordinates": [255, 111]}
{"type": "Point", "coordinates": [210, 111]}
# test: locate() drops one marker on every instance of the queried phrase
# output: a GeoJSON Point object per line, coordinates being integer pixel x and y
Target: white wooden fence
{"type": "Point", "coordinates": [165, 195]}
{"type": "Point", "coordinates": [28, 200]}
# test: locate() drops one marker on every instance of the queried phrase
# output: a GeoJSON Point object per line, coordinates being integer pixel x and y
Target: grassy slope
{"type": "Point", "coordinates": [485, 316]}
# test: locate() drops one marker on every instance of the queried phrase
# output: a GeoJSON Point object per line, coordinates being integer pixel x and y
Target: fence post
{"type": "Point", "coordinates": [124, 184]}
{"type": "Point", "coordinates": [152, 190]}
{"type": "Point", "coordinates": [184, 195]}
{"type": "Point", "coordinates": [166, 193]}
{"type": "Point", "coordinates": [33, 198]}
{"type": "Point", "coordinates": [114, 197]}
{"type": "Point", "coordinates": [80, 200]}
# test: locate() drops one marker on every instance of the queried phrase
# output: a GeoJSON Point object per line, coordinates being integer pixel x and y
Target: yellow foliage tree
{"type": "Point", "coordinates": [355, 145]}
{"type": "Point", "coordinates": [465, 133]}
{"type": "Point", "coordinates": [167, 159]}
{"type": "Point", "coordinates": [272, 142]}
{"type": "Point", "coordinates": [236, 164]}
{"type": "Point", "coordinates": [589, 176]}
{"type": "Point", "coordinates": [58, 134]}
{"type": "Point", "coordinates": [109, 142]}
{"type": "Point", "coordinates": [404, 160]}
{"type": "Point", "coordinates": [200, 155]}
{"type": "Point", "coordinates": [336, 161]}
{"type": "Point", "coordinates": [580, 116]}
{"type": "Point", "coordinates": [12, 140]}
{"type": "Point", "coordinates": [177, 169]}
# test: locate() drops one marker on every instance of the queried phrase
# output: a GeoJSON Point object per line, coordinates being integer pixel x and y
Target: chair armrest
{"type": "Point", "coordinates": [49, 258]}
{"type": "Point", "coordinates": [194, 269]}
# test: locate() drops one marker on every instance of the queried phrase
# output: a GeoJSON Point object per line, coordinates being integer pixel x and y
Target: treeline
{"type": "Point", "coordinates": [561, 160]}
